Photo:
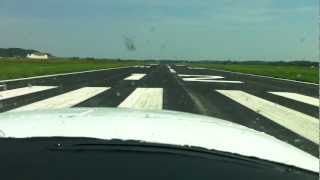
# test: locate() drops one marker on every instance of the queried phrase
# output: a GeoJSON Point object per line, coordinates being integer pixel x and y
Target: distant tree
{"type": "Point", "coordinates": [90, 58]}
{"type": "Point", "coordinates": [75, 58]}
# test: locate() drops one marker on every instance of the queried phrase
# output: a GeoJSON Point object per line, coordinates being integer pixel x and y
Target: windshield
{"type": "Point", "coordinates": [251, 67]}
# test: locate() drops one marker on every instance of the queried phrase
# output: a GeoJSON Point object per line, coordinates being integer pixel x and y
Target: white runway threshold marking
{"type": "Point", "coordinates": [23, 91]}
{"type": "Point", "coordinates": [205, 78]}
{"type": "Point", "coordinates": [144, 98]}
{"type": "Point", "coordinates": [298, 97]}
{"type": "Point", "coordinates": [295, 121]}
{"type": "Point", "coordinates": [65, 100]}
{"type": "Point", "coordinates": [135, 77]}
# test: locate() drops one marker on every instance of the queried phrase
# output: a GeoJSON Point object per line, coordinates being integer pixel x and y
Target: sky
{"type": "Point", "coordinates": [164, 29]}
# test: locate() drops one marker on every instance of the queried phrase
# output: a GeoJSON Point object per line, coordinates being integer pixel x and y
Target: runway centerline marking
{"type": "Point", "coordinates": [65, 100]}
{"type": "Point", "coordinates": [298, 97]}
{"type": "Point", "coordinates": [171, 70]}
{"type": "Point", "coordinates": [6, 94]}
{"type": "Point", "coordinates": [295, 121]}
{"type": "Point", "coordinates": [205, 78]}
{"type": "Point", "coordinates": [144, 98]}
{"type": "Point", "coordinates": [135, 77]}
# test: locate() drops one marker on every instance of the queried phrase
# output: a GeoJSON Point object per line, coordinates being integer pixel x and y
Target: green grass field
{"type": "Point", "coordinates": [10, 69]}
{"type": "Point", "coordinates": [299, 73]}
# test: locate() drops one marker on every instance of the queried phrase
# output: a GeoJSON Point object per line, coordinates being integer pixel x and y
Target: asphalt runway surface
{"type": "Point", "coordinates": [287, 110]}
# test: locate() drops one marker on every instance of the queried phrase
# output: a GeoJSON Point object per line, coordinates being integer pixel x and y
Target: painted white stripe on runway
{"type": "Point", "coordinates": [65, 100]}
{"type": "Point", "coordinates": [205, 78]}
{"type": "Point", "coordinates": [214, 81]}
{"type": "Point", "coordinates": [173, 71]}
{"type": "Point", "coordinates": [142, 66]}
{"type": "Point", "coordinates": [144, 98]}
{"type": "Point", "coordinates": [298, 97]}
{"type": "Point", "coordinates": [23, 91]}
{"type": "Point", "coordinates": [135, 77]}
{"type": "Point", "coordinates": [191, 75]}
{"type": "Point", "coordinates": [295, 121]}
{"type": "Point", "coordinates": [196, 68]}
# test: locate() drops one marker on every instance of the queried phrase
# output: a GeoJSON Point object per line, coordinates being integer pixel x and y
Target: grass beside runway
{"type": "Point", "coordinates": [293, 72]}
{"type": "Point", "coordinates": [21, 68]}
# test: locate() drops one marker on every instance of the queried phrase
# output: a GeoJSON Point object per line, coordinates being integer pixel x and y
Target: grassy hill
{"type": "Point", "coordinates": [21, 68]}
{"type": "Point", "coordinates": [300, 71]}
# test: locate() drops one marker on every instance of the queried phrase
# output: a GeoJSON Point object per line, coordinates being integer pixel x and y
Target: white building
{"type": "Point", "coordinates": [37, 55]}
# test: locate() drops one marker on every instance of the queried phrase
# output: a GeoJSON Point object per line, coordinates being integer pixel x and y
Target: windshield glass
{"type": "Point", "coordinates": [249, 67]}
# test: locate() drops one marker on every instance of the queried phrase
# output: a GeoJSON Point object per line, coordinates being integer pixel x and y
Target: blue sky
{"type": "Point", "coordinates": [164, 29]}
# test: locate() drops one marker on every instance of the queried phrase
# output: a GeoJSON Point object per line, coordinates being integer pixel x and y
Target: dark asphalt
{"type": "Point", "coordinates": [179, 95]}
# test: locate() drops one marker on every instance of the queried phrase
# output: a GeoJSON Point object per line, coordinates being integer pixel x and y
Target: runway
{"type": "Point", "coordinates": [287, 110]}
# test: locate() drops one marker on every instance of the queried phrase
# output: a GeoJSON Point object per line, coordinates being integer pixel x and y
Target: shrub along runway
{"type": "Point", "coordinates": [286, 110]}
